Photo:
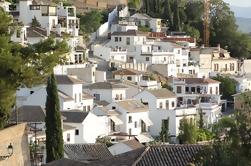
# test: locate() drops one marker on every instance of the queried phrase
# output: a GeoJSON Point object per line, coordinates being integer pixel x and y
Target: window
{"type": "Point", "coordinates": [167, 104]}
{"type": "Point", "coordinates": [80, 96]}
{"type": "Point", "coordinates": [147, 58]}
{"type": "Point", "coordinates": [217, 91]}
{"type": "Point", "coordinates": [216, 67]}
{"type": "Point", "coordinates": [116, 39]}
{"type": "Point", "coordinates": [84, 108]}
{"type": "Point", "coordinates": [121, 96]}
{"type": "Point", "coordinates": [187, 89]}
{"type": "Point", "coordinates": [18, 33]}
{"type": "Point", "coordinates": [76, 132]}
{"type": "Point", "coordinates": [231, 66]}
{"type": "Point", "coordinates": [34, 7]}
{"type": "Point", "coordinates": [211, 90]}
{"type": "Point", "coordinates": [143, 126]}
{"type": "Point", "coordinates": [173, 104]}
{"type": "Point", "coordinates": [120, 39]}
{"type": "Point", "coordinates": [112, 126]}
{"type": "Point", "coordinates": [53, 23]}
{"type": "Point", "coordinates": [130, 119]}
{"type": "Point", "coordinates": [130, 131]}
{"type": "Point", "coordinates": [178, 89]}
{"type": "Point", "coordinates": [31, 92]}
{"type": "Point", "coordinates": [68, 139]}
{"type": "Point", "coordinates": [96, 97]}
{"type": "Point", "coordinates": [193, 89]}
{"type": "Point", "coordinates": [88, 108]}
{"type": "Point", "coordinates": [129, 78]}
{"type": "Point", "coordinates": [160, 105]}
{"type": "Point", "coordinates": [117, 97]}
{"type": "Point", "coordinates": [75, 98]}
{"type": "Point", "coordinates": [198, 89]}
{"type": "Point", "coordinates": [128, 41]}
{"type": "Point", "coordinates": [225, 67]}
{"type": "Point", "coordinates": [135, 124]}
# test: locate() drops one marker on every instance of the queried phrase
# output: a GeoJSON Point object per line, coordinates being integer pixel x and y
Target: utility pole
{"type": "Point", "coordinates": [35, 130]}
{"type": "Point", "coordinates": [206, 30]}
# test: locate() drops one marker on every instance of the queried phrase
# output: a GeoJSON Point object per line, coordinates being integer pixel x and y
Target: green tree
{"type": "Point", "coordinates": [176, 16]}
{"type": "Point", "coordinates": [193, 32]}
{"type": "Point", "coordinates": [232, 143]}
{"type": "Point", "coordinates": [23, 66]}
{"type": "Point", "coordinates": [188, 133]}
{"type": "Point", "coordinates": [104, 140]}
{"type": "Point", "coordinates": [164, 135]}
{"type": "Point", "coordinates": [201, 121]}
{"type": "Point", "coordinates": [54, 136]}
{"type": "Point", "coordinates": [135, 4]}
{"type": "Point", "coordinates": [227, 86]}
{"type": "Point", "coordinates": [167, 12]}
{"type": "Point", "coordinates": [35, 22]}
{"type": "Point", "coordinates": [91, 21]}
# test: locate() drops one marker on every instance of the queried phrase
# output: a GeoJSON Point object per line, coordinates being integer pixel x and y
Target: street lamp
{"type": "Point", "coordinates": [10, 152]}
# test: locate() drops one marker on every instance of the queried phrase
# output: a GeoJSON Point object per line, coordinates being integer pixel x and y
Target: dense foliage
{"type": "Point", "coordinates": [54, 134]}
{"type": "Point", "coordinates": [188, 134]}
{"type": "Point", "coordinates": [23, 66]}
{"type": "Point", "coordinates": [104, 140]}
{"type": "Point", "coordinates": [90, 22]}
{"type": "Point", "coordinates": [227, 86]}
{"type": "Point", "coordinates": [232, 143]}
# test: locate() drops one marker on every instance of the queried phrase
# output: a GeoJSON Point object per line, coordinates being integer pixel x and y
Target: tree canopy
{"type": "Point", "coordinates": [227, 86]}
{"type": "Point", "coordinates": [23, 66]}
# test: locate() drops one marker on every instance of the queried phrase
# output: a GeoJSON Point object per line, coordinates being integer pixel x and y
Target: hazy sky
{"type": "Point", "coordinates": [244, 3]}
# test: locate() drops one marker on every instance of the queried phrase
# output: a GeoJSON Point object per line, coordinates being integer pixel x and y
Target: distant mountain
{"type": "Point", "coordinates": [243, 17]}
{"type": "Point", "coordinates": [244, 24]}
{"type": "Point", "coordinates": [244, 12]}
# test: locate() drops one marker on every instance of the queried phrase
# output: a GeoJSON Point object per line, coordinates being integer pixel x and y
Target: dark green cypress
{"type": "Point", "coordinates": [54, 135]}
{"type": "Point", "coordinates": [176, 17]}
{"type": "Point", "coordinates": [167, 13]}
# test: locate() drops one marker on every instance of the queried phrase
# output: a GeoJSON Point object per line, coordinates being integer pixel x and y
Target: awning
{"type": "Point", "coordinates": [143, 138]}
{"type": "Point", "coordinates": [147, 121]}
{"type": "Point", "coordinates": [116, 120]}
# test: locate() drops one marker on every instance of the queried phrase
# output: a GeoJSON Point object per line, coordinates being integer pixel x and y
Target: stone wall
{"type": "Point", "coordinates": [17, 136]}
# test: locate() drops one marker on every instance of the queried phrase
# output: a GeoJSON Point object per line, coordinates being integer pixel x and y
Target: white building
{"type": "Point", "coordinates": [69, 92]}
{"type": "Point", "coordinates": [243, 83]}
{"type": "Point", "coordinates": [84, 124]}
{"type": "Point", "coordinates": [135, 118]}
{"type": "Point", "coordinates": [55, 20]}
{"type": "Point", "coordinates": [107, 91]}
{"type": "Point", "coordinates": [162, 105]}
{"type": "Point", "coordinates": [201, 92]}
{"type": "Point", "coordinates": [214, 60]}
{"type": "Point", "coordinates": [143, 20]}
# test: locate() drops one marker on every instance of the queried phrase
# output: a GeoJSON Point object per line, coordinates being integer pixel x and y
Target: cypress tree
{"type": "Point", "coordinates": [176, 17]}
{"type": "Point", "coordinates": [167, 13]}
{"type": "Point", "coordinates": [164, 133]}
{"type": "Point", "coordinates": [54, 137]}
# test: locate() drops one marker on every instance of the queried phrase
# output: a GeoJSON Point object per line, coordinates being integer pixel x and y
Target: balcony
{"type": "Point", "coordinates": [184, 111]}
